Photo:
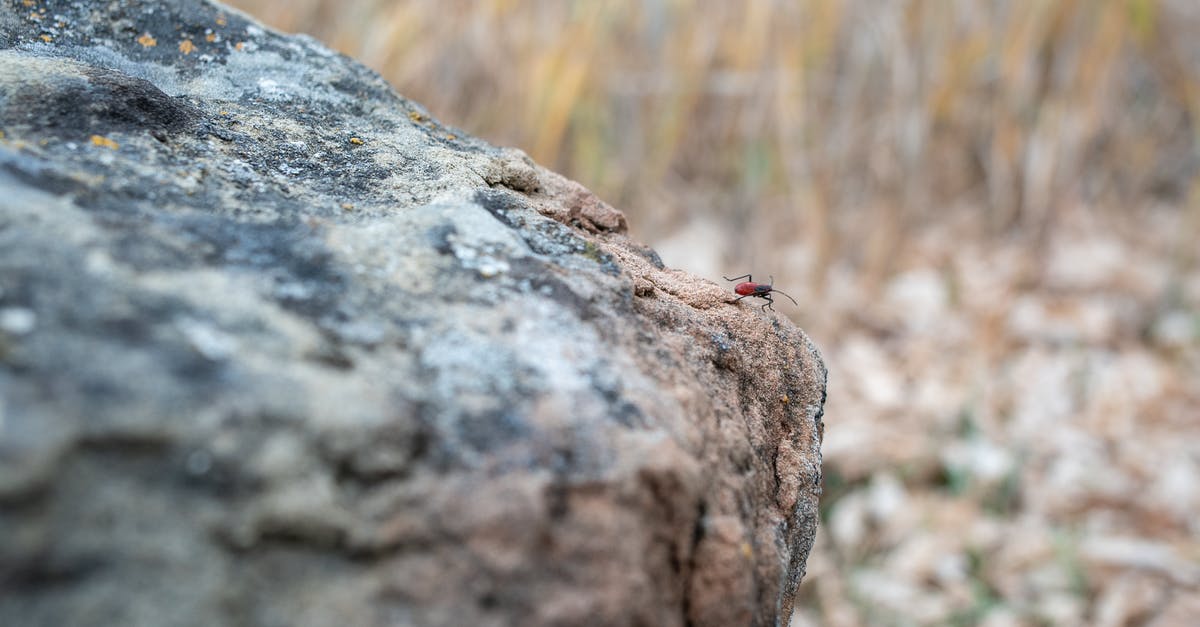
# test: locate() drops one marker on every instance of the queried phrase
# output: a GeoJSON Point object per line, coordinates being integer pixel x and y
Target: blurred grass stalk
{"type": "Point", "coordinates": [844, 125]}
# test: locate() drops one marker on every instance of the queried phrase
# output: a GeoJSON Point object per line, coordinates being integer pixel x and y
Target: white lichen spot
{"type": "Point", "coordinates": [271, 89]}
{"type": "Point", "coordinates": [490, 267]}
{"type": "Point", "coordinates": [17, 320]}
{"type": "Point", "coordinates": [207, 340]}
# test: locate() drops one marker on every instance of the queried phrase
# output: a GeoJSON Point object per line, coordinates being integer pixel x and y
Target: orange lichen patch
{"type": "Point", "coordinates": [356, 141]}
{"type": "Point", "coordinates": [415, 116]}
{"type": "Point", "coordinates": [28, 3]}
{"type": "Point", "coordinates": [187, 47]}
{"type": "Point", "coordinates": [34, 16]}
{"type": "Point", "coordinates": [46, 38]}
{"type": "Point", "coordinates": [747, 550]}
{"type": "Point", "coordinates": [239, 45]}
{"type": "Point", "coordinates": [221, 20]}
{"type": "Point", "coordinates": [210, 37]}
{"type": "Point", "coordinates": [347, 206]}
{"type": "Point", "coordinates": [451, 137]}
{"type": "Point", "coordinates": [147, 41]}
{"type": "Point", "coordinates": [100, 140]}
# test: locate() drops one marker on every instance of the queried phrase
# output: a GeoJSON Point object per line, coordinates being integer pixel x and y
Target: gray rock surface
{"type": "Point", "coordinates": [278, 348]}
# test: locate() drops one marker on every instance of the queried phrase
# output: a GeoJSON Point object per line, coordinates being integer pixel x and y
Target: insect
{"type": "Point", "coordinates": [757, 290]}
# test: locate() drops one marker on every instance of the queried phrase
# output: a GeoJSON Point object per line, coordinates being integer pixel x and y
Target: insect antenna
{"type": "Point", "coordinates": [786, 294]}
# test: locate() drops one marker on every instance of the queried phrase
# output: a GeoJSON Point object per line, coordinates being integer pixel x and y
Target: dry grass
{"type": "Point", "coordinates": [990, 209]}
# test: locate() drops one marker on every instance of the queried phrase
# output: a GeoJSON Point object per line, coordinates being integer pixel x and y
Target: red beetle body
{"type": "Point", "coordinates": [757, 290]}
{"type": "Point", "coordinates": [752, 289]}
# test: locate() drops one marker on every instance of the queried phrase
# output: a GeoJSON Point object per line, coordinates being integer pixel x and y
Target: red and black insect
{"type": "Point", "coordinates": [757, 290]}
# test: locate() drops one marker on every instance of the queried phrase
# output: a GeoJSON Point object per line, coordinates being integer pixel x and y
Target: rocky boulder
{"type": "Point", "coordinates": [279, 348]}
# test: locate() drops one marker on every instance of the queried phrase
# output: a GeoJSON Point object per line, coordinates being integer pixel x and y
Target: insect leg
{"type": "Point", "coordinates": [744, 276]}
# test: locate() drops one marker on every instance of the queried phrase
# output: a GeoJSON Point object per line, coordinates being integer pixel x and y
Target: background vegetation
{"type": "Point", "coordinates": [989, 211]}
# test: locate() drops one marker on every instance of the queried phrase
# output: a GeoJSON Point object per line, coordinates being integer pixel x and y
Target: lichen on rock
{"type": "Point", "coordinates": [256, 372]}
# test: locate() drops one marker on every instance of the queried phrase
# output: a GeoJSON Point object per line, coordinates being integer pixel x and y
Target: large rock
{"type": "Point", "coordinates": [278, 348]}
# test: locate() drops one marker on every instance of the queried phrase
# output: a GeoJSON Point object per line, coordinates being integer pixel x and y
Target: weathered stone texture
{"type": "Point", "coordinates": [278, 348]}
